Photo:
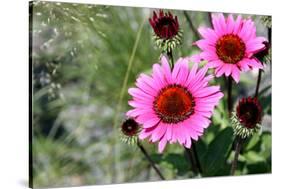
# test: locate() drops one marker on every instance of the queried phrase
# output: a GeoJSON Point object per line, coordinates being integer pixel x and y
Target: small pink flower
{"type": "Point", "coordinates": [173, 106]}
{"type": "Point", "coordinates": [229, 47]}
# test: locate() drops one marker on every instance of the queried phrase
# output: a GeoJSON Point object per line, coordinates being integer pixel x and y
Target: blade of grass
{"type": "Point", "coordinates": [115, 146]}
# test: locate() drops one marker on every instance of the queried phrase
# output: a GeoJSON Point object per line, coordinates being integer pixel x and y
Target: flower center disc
{"type": "Point", "coordinates": [249, 115]}
{"type": "Point", "coordinates": [230, 48]}
{"type": "Point", "coordinates": [174, 104]}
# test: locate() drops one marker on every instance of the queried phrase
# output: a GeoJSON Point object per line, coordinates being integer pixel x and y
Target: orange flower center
{"type": "Point", "coordinates": [174, 104]}
{"type": "Point", "coordinates": [230, 48]}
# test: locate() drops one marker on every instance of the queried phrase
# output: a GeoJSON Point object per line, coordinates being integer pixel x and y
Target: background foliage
{"type": "Point", "coordinates": [80, 58]}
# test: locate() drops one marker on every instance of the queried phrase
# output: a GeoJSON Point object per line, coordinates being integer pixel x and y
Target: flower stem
{"type": "Point", "coordinates": [188, 19]}
{"type": "Point", "coordinates": [237, 151]}
{"type": "Point", "coordinates": [190, 159]}
{"type": "Point", "coordinates": [258, 83]}
{"type": "Point", "coordinates": [196, 157]}
{"type": "Point", "coordinates": [150, 160]}
{"type": "Point", "coordinates": [210, 19]}
{"type": "Point", "coordinates": [170, 55]}
{"type": "Point", "coordinates": [229, 96]}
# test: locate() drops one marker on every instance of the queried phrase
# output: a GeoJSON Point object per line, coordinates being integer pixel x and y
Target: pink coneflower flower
{"type": "Point", "coordinates": [173, 106]}
{"type": "Point", "coordinates": [229, 47]}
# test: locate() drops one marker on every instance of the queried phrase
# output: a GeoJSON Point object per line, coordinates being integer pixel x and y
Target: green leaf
{"type": "Point", "coordinates": [216, 155]}
{"type": "Point", "coordinates": [264, 90]}
{"type": "Point", "coordinates": [178, 162]}
{"type": "Point", "coordinates": [259, 167]}
{"type": "Point", "coordinates": [252, 142]}
{"type": "Point", "coordinates": [266, 104]}
{"type": "Point", "coordinates": [173, 160]}
{"type": "Point", "coordinates": [157, 158]}
{"type": "Point", "coordinates": [266, 145]}
{"type": "Point", "coordinates": [253, 157]}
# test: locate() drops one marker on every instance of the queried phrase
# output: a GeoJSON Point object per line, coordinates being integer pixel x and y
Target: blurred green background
{"type": "Point", "coordinates": [80, 76]}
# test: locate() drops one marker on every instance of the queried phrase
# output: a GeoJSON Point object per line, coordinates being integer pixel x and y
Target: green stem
{"type": "Point", "coordinates": [150, 160]}
{"type": "Point", "coordinates": [210, 19]}
{"type": "Point", "coordinates": [229, 96]}
{"type": "Point", "coordinates": [194, 150]}
{"type": "Point", "coordinates": [258, 84]}
{"type": "Point", "coordinates": [237, 152]}
{"type": "Point", "coordinates": [170, 55]}
{"type": "Point", "coordinates": [190, 158]}
{"type": "Point", "coordinates": [119, 103]}
{"type": "Point", "coordinates": [188, 19]}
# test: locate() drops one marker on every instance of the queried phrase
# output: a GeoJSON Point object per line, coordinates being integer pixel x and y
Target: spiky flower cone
{"type": "Point", "coordinates": [247, 118]}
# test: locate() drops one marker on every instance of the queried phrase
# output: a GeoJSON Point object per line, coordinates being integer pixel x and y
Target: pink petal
{"type": "Point", "coordinates": [208, 34]}
{"type": "Point", "coordinates": [191, 74]}
{"type": "Point", "coordinates": [198, 81]}
{"type": "Point", "coordinates": [162, 144]}
{"type": "Point", "coordinates": [255, 45]}
{"type": "Point", "coordinates": [230, 24]}
{"type": "Point", "coordinates": [220, 70]}
{"type": "Point", "coordinates": [166, 69]}
{"type": "Point", "coordinates": [245, 30]}
{"type": "Point", "coordinates": [204, 45]}
{"type": "Point", "coordinates": [158, 75]}
{"type": "Point", "coordinates": [149, 81]}
{"type": "Point", "coordinates": [148, 119]}
{"type": "Point", "coordinates": [196, 58]}
{"type": "Point", "coordinates": [169, 133]}
{"type": "Point", "coordinates": [243, 64]}
{"type": "Point", "coordinates": [235, 74]}
{"type": "Point", "coordinates": [228, 68]}
{"type": "Point", "coordinates": [209, 55]}
{"type": "Point", "coordinates": [219, 24]}
{"type": "Point", "coordinates": [137, 112]}
{"type": "Point", "coordinates": [206, 91]}
{"type": "Point", "coordinates": [255, 63]}
{"type": "Point", "coordinates": [214, 63]}
{"type": "Point", "coordinates": [136, 92]}
{"type": "Point", "coordinates": [238, 25]}
{"type": "Point", "coordinates": [187, 142]}
{"type": "Point", "coordinates": [183, 74]}
{"type": "Point", "coordinates": [193, 134]}
{"type": "Point", "coordinates": [151, 122]}
{"type": "Point", "coordinates": [146, 87]}
{"type": "Point", "coordinates": [146, 133]}
{"type": "Point", "coordinates": [158, 132]}
{"type": "Point", "coordinates": [140, 104]}
{"type": "Point", "coordinates": [176, 69]}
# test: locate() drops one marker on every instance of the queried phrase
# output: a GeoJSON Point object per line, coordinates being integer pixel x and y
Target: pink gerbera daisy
{"type": "Point", "coordinates": [230, 46]}
{"type": "Point", "coordinates": [173, 105]}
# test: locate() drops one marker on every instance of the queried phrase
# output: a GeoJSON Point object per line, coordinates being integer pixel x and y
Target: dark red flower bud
{"type": "Point", "coordinates": [249, 112]}
{"type": "Point", "coordinates": [165, 25]}
{"type": "Point", "coordinates": [130, 127]}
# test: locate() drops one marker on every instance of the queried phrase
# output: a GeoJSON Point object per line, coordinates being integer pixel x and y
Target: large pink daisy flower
{"type": "Point", "coordinates": [229, 47]}
{"type": "Point", "coordinates": [173, 106]}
